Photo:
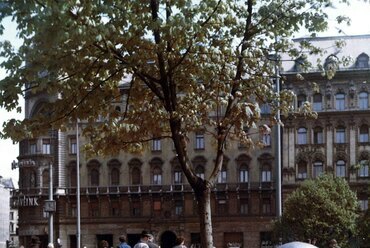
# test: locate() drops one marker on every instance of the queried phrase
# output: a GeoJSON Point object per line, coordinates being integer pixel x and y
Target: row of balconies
{"type": "Point", "coordinates": [142, 189]}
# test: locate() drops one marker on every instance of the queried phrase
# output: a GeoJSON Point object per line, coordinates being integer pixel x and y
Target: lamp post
{"type": "Point", "coordinates": [78, 231]}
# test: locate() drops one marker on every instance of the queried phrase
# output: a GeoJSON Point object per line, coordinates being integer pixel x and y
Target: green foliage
{"type": "Point", "coordinates": [364, 229]}
{"type": "Point", "coordinates": [323, 208]}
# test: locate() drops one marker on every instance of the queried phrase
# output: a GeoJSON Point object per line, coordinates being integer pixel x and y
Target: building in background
{"type": "Point", "coordinates": [128, 193]}
{"type": "Point", "coordinates": [6, 186]}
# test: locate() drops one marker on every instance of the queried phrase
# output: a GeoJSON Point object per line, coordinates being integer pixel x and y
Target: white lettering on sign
{"type": "Point", "coordinates": [25, 202]}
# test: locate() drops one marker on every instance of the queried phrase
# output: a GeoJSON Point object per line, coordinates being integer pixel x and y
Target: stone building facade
{"type": "Point", "coordinates": [128, 193]}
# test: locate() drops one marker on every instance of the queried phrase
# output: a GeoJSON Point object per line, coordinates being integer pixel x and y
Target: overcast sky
{"type": "Point", "coordinates": [358, 11]}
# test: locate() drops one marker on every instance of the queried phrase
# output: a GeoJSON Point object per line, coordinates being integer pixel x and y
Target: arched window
{"type": "Point", "coordinates": [114, 176]}
{"type": "Point", "coordinates": [136, 176]}
{"type": "Point", "coordinates": [340, 101]}
{"type": "Point", "coordinates": [199, 171]}
{"type": "Point", "coordinates": [340, 168]}
{"type": "Point", "coordinates": [340, 135]}
{"type": "Point", "coordinates": [364, 134]}
{"type": "Point", "coordinates": [318, 135]}
{"type": "Point", "coordinates": [302, 136]}
{"type": "Point", "coordinates": [157, 175]}
{"type": "Point", "coordinates": [362, 61]}
{"type": "Point", "coordinates": [94, 177]}
{"type": "Point", "coordinates": [317, 102]}
{"type": "Point", "coordinates": [243, 173]}
{"type": "Point", "coordinates": [363, 100]}
{"type": "Point", "coordinates": [318, 168]}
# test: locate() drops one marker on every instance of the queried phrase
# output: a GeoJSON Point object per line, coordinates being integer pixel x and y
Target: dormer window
{"type": "Point", "coordinates": [362, 61]}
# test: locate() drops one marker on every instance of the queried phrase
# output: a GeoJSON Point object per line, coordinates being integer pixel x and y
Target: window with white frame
{"type": "Point", "coordinates": [33, 147]}
{"type": "Point", "coordinates": [266, 173]}
{"type": "Point", "coordinates": [318, 135]}
{"type": "Point", "coordinates": [318, 169]}
{"type": "Point", "coordinates": [199, 141]}
{"type": "Point", "coordinates": [72, 145]}
{"type": "Point", "coordinates": [363, 171]}
{"type": "Point", "coordinates": [199, 171]}
{"type": "Point", "coordinates": [364, 204]}
{"type": "Point", "coordinates": [222, 176]}
{"type": "Point", "coordinates": [266, 139]}
{"type": "Point", "coordinates": [363, 100]}
{"type": "Point", "coordinates": [302, 136]}
{"type": "Point", "coordinates": [364, 134]}
{"type": "Point", "coordinates": [340, 101]}
{"type": "Point", "coordinates": [157, 176]}
{"type": "Point", "coordinates": [340, 170]}
{"type": "Point", "coordinates": [177, 177]}
{"type": "Point", "coordinates": [317, 102]}
{"type": "Point", "coordinates": [243, 173]}
{"type": "Point", "coordinates": [46, 146]}
{"type": "Point", "coordinates": [340, 135]}
{"type": "Point", "coordinates": [302, 170]}
{"type": "Point", "coordinates": [156, 145]}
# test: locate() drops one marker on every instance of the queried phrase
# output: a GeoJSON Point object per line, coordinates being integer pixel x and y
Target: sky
{"type": "Point", "coordinates": [358, 11]}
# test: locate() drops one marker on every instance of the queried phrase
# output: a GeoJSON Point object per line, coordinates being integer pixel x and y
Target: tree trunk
{"type": "Point", "coordinates": [203, 196]}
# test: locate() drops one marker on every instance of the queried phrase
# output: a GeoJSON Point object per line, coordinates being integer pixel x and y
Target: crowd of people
{"type": "Point", "coordinates": [147, 241]}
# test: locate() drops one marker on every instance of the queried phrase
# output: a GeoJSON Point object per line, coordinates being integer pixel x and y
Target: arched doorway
{"type": "Point", "coordinates": [168, 239]}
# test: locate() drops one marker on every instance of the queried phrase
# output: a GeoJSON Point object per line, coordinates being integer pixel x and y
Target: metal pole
{"type": "Point", "coordinates": [78, 232]}
{"type": "Point", "coordinates": [51, 213]}
{"type": "Point", "coordinates": [278, 143]}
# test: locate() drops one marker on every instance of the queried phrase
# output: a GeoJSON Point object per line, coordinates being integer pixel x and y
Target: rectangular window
{"type": "Point", "coordinates": [11, 216]}
{"type": "Point", "coordinates": [266, 206]}
{"type": "Point", "coordinates": [222, 177]}
{"type": "Point", "coordinates": [199, 141]}
{"type": "Point", "coordinates": [94, 209]}
{"type": "Point", "coordinates": [266, 139]}
{"type": "Point", "coordinates": [363, 171]}
{"type": "Point", "coordinates": [243, 176]}
{"type": "Point", "coordinates": [115, 209]}
{"type": "Point", "coordinates": [156, 145]}
{"type": "Point", "coordinates": [318, 136]}
{"type": "Point", "coordinates": [340, 135]}
{"type": "Point", "coordinates": [339, 101]}
{"type": "Point", "coordinates": [244, 207]}
{"type": "Point", "coordinates": [178, 177]}
{"type": "Point", "coordinates": [317, 169]}
{"type": "Point", "coordinates": [33, 147]}
{"type": "Point", "coordinates": [364, 204]}
{"type": "Point", "coordinates": [46, 146]}
{"type": "Point", "coordinates": [157, 179]}
{"type": "Point", "coordinates": [266, 176]}
{"type": "Point", "coordinates": [221, 207]}
{"type": "Point", "coordinates": [136, 208]}
{"type": "Point", "coordinates": [73, 145]}
{"type": "Point", "coordinates": [179, 207]}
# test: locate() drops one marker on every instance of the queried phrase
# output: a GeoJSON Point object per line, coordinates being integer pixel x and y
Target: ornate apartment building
{"type": "Point", "coordinates": [128, 193]}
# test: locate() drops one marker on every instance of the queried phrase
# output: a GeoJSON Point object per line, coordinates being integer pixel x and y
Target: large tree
{"type": "Point", "coordinates": [322, 209]}
{"type": "Point", "coordinates": [178, 60]}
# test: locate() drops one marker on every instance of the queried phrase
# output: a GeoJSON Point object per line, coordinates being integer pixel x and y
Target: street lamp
{"type": "Point", "coordinates": [78, 232]}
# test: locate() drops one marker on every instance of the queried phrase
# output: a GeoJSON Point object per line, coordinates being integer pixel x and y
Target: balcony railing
{"type": "Point", "coordinates": [143, 189]}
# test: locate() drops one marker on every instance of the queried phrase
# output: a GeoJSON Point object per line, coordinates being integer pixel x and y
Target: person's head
{"type": "Point", "coordinates": [180, 240]}
{"type": "Point", "coordinates": [150, 237]}
{"type": "Point", "coordinates": [122, 239]}
{"type": "Point", "coordinates": [333, 243]}
{"type": "Point", "coordinates": [144, 235]}
{"type": "Point", "coordinates": [50, 245]}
